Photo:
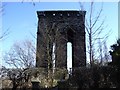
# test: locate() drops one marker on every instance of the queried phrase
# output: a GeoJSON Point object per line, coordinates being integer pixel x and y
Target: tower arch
{"type": "Point", "coordinates": [61, 27]}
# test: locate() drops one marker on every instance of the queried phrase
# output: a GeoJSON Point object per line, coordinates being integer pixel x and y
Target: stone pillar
{"type": "Point", "coordinates": [41, 43]}
{"type": "Point", "coordinates": [79, 51]}
{"type": "Point", "coordinates": [61, 52]}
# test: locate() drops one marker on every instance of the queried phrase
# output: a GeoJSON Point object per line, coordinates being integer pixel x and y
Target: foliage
{"type": "Point", "coordinates": [47, 79]}
{"type": "Point", "coordinates": [24, 78]}
{"type": "Point", "coordinates": [19, 78]}
{"type": "Point", "coordinates": [95, 77]}
{"type": "Point", "coordinates": [115, 53]}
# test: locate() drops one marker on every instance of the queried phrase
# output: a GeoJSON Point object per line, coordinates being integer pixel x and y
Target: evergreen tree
{"type": "Point", "coordinates": [115, 53]}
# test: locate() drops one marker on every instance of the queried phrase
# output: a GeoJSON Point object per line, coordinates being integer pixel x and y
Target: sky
{"type": "Point", "coordinates": [21, 19]}
{"type": "Point", "coordinates": [119, 20]}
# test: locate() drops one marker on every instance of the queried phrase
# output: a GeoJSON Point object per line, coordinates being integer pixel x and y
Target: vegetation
{"type": "Point", "coordinates": [115, 53]}
{"type": "Point", "coordinates": [80, 78]}
{"type": "Point", "coordinates": [95, 34]}
{"type": "Point", "coordinates": [22, 57]}
{"type": "Point", "coordinates": [95, 77]}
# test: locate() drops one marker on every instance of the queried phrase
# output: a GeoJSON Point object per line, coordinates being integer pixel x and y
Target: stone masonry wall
{"type": "Point", "coordinates": [63, 27]}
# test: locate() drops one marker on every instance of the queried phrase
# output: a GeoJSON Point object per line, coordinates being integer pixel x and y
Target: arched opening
{"type": "Point", "coordinates": [70, 37]}
{"type": "Point", "coordinates": [69, 56]}
{"type": "Point", "coordinates": [53, 55]}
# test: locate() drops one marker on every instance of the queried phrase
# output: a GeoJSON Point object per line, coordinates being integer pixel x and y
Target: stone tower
{"type": "Point", "coordinates": [57, 28]}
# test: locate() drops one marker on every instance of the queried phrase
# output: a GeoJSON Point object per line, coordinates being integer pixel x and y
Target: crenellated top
{"type": "Point", "coordinates": [61, 13]}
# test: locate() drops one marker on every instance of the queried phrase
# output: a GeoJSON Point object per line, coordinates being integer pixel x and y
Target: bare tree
{"type": "Point", "coordinates": [94, 28]}
{"type": "Point", "coordinates": [3, 33]}
{"type": "Point", "coordinates": [106, 53]}
{"type": "Point", "coordinates": [21, 57]}
{"type": "Point", "coordinates": [31, 1]}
